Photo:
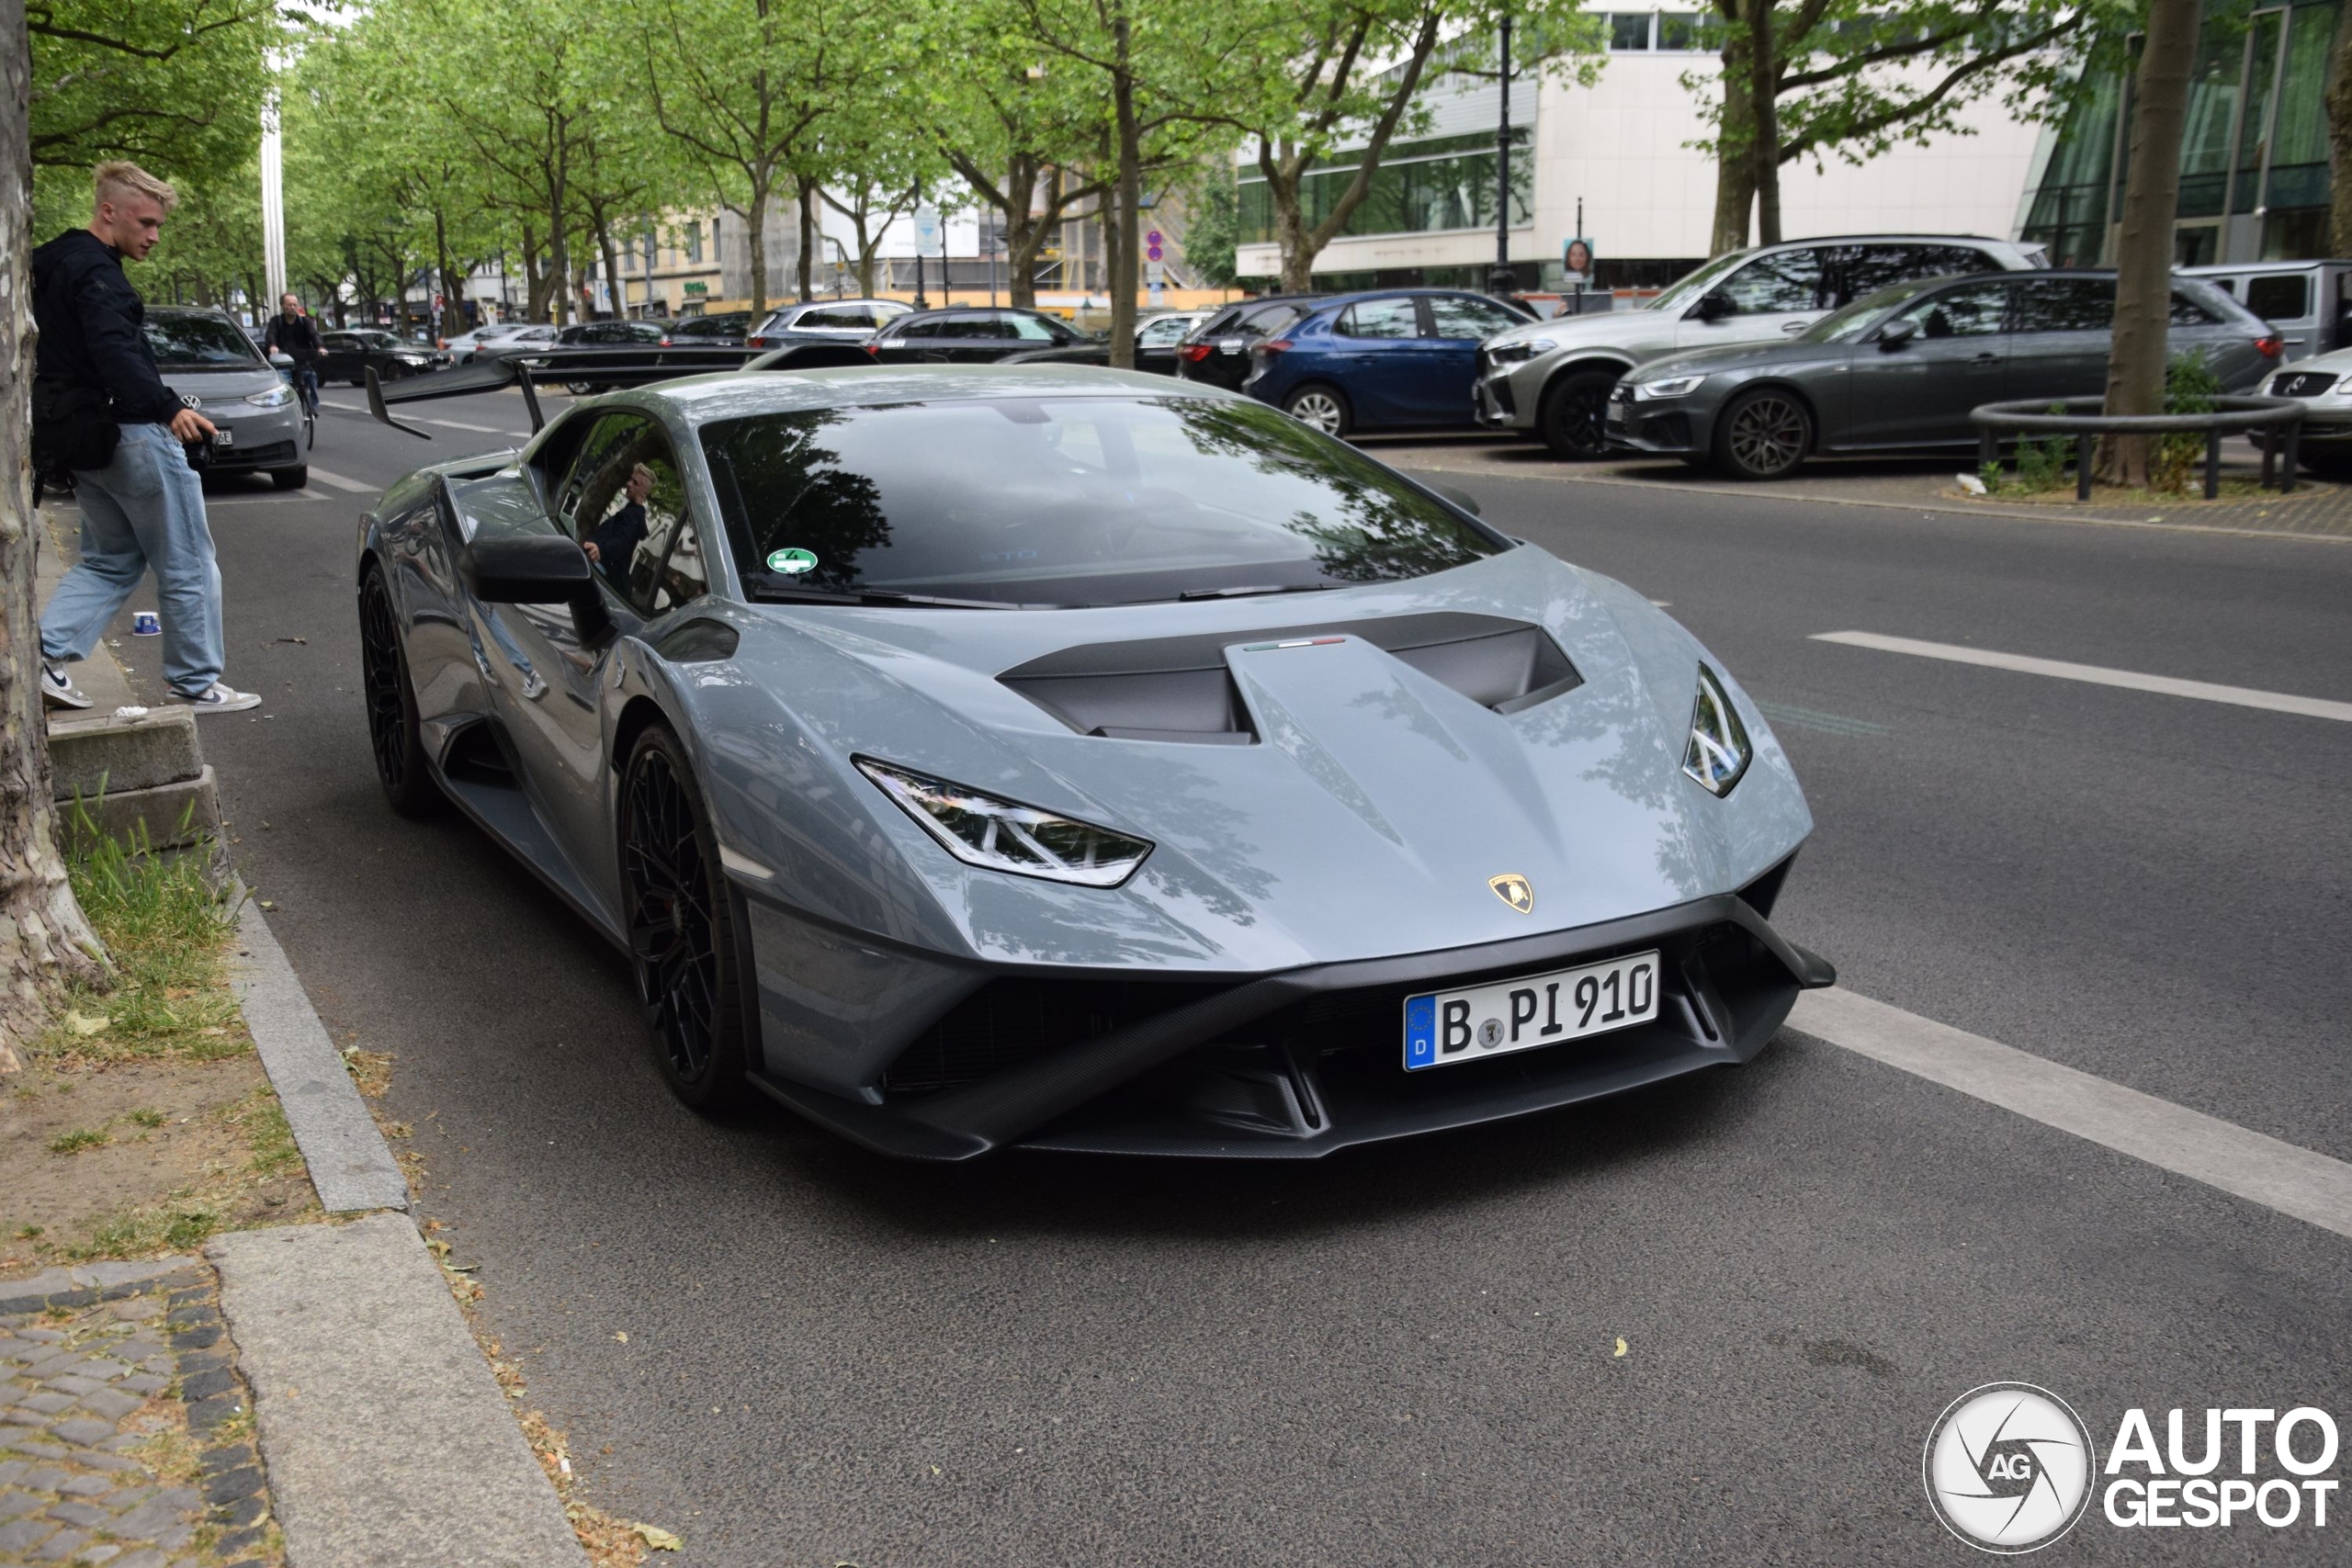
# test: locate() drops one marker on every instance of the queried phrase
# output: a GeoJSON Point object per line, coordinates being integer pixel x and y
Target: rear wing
{"type": "Point", "coordinates": [604, 367]}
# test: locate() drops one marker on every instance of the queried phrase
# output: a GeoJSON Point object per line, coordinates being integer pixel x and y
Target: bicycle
{"type": "Point", "coordinates": [306, 388]}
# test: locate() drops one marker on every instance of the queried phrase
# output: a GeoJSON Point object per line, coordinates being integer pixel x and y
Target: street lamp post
{"type": "Point", "coordinates": [1502, 280]}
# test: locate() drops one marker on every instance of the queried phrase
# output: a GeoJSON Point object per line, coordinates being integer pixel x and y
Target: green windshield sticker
{"type": "Point", "coordinates": [792, 562]}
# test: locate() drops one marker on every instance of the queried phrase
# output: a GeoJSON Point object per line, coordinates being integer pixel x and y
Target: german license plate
{"type": "Point", "coordinates": [1442, 1028]}
{"type": "Point", "coordinates": [223, 435]}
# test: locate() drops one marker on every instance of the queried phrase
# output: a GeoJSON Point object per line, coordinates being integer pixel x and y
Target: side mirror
{"type": "Point", "coordinates": [1712, 308]}
{"type": "Point", "coordinates": [1895, 335]}
{"type": "Point", "coordinates": [281, 360]}
{"type": "Point", "coordinates": [1460, 498]}
{"type": "Point", "coordinates": [526, 569]}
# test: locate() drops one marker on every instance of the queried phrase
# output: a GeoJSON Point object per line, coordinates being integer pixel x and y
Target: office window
{"type": "Point", "coordinates": [1630, 30]}
{"type": "Point", "coordinates": [693, 242]}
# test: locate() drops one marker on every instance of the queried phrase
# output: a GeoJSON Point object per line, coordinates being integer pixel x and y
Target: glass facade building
{"type": "Point", "coordinates": [2254, 175]}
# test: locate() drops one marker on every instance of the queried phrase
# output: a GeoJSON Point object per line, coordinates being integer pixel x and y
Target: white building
{"type": "Point", "coordinates": [1620, 148]}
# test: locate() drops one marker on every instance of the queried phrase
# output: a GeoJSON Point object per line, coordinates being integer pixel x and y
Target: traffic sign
{"type": "Point", "coordinates": [1152, 238]}
{"type": "Point", "coordinates": [1152, 252]}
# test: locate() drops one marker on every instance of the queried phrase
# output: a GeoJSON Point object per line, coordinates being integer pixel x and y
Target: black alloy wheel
{"type": "Point", "coordinates": [385, 687]}
{"type": "Point", "coordinates": [1573, 421]}
{"type": "Point", "coordinates": [683, 926]}
{"type": "Point", "coordinates": [1763, 435]}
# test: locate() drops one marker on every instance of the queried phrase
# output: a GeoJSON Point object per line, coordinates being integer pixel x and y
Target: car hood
{"type": "Point", "coordinates": [1368, 818]}
{"type": "Point", "coordinates": [2337, 361]}
{"type": "Point", "coordinates": [215, 385]}
{"type": "Point", "coordinates": [1570, 331]}
{"type": "Point", "coordinates": [1733, 357]}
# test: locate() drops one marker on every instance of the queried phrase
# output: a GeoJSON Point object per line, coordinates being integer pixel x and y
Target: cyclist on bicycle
{"type": "Point", "coordinates": [295, 335]}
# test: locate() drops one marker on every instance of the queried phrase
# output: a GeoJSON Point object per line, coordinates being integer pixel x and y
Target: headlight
{"type": "Point", "coordinates": [275, 398]}
{"type": "Point", "coordinates": [1002, 835]}
{"type": "Point", "coordinates": [1512, 352]}
{"type": "Point", "coordinates": [1668, 386]}
{"type": "Point", "coordinates": [1718, 752]}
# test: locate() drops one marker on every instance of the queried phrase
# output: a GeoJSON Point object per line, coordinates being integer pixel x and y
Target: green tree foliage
{"type": "Point", "coordinates": [1854, 78]}
{"type": "Point", "coordinates": [175, 85]}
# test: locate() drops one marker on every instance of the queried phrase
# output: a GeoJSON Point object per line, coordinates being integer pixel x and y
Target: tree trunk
{"type": "Point", "coordinates": [559, 259]}
{"type": "Point", "coordinates": [1126, 239]}
{"type": "Point", "coordinates": [1735, 143]}
{"type": "Point", "coordinates": [44, 940]}
{"type": "Point", "coordinates": [1764, 104]}
{"type": "Point", "coordinates": [2339, 136]}
{"type": "Point", "coordinates": [453, 315]}
{"type": "Point", "coordinates": [755, 247]}
{"type": "Point", "coordinates": [807, 237]}
{"type": "Point", "coordinates": [2135, 365]}
{"type": "Point", "coordinates": [616, 286]}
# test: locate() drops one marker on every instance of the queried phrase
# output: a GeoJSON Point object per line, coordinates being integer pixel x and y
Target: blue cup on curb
{"type": "Point", "coordinates": [146, 623]}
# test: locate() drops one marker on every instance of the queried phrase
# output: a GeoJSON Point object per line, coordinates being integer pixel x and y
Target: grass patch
{"type": "Point", "coordinates": [77, 1140]}
{"type": "Point", "coordinates": [169, 932]}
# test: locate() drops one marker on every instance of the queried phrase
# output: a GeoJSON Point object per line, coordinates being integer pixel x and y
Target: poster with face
{"type": "Point", "coordinates": [1578, 259]}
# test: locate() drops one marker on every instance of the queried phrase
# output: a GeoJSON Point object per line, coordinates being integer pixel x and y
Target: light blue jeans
{"type": "Point", "coordinates": [143, 510]}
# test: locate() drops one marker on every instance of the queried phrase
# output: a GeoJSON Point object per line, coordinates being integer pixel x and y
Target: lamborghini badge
{"type": "Point", "coordinates": [1515, 890]}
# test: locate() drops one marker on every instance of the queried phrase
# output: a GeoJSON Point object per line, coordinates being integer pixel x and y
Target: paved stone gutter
{"type": "Point", "coordinates": [126, 1438]}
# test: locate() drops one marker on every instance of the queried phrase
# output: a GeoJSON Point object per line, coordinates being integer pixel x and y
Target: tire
{"type": "Point", "coordinates": [1573, 418]}
{"type": "Point", "coordinates": [1321, 406]}
{"type": "Point", "coordinates": [294, 478]}
{"type": "Point", "coordinates": [1763, 435]}
{"type": "Point", "coordinates": [581, 388]}
{"type": "Point", "coordinates": [390, 699]}
{"type": "Point", "coordinates": [683, 929]}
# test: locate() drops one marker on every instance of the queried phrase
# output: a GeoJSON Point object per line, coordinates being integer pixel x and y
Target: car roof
{"type": "Point", "coordinates": [733, 394]}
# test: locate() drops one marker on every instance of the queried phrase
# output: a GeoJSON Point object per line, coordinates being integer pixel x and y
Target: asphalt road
{"type": "Point", "coordinates": [1409, 1354]}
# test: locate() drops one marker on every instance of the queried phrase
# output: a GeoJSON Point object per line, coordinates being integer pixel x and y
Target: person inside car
{"type": "Point", "coordinates": [614, 539]}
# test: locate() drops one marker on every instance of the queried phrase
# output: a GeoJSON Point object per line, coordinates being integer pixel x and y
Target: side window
{"type": "Point", "coordinates": [1029, 328]}
{"type": "Point", "coordinates": [2188, 312]}
{"type": "Point", "coordinates": [1462, 316]}
{"type": "Point", "coordinates": [626, 503]}
{"type": "Point", "coordinates": [1975, 310]}
{"type": "Point", "coordinates": [1161, 332]}
{"type": "Point", "coordinates": [845, 318]}
{"type": "Point", "coordinates": [2067, 305]}
{"type": "Point", "coordinates": [1776, 285]}
{"type": "Point", "coordinates": [1269, 322]}
{"type": "Point", "coordinates": [1866, 269]}
{"type": "Point", "coordinates": [1381, 318]}
{"type": "Point", "coordinates": [2284, 299]}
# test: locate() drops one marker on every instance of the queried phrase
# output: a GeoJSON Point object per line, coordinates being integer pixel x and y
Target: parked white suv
{"type": "Point", "coordinates": [1551, 379]}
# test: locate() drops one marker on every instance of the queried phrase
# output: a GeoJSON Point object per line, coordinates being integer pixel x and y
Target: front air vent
{"type": "Point", "coordinates": [1178, 689]}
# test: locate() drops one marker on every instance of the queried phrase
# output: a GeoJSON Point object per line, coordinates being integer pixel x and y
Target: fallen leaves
{"type": "Point", "coordinates": [657, 1538]}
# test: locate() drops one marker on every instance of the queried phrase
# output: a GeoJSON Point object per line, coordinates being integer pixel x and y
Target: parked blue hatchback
{"type": "Point", "coordinates": [1384, 360]}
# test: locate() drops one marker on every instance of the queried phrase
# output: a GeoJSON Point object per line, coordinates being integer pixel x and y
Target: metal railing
{"type": "Point", "coordinates": [2278, 419]}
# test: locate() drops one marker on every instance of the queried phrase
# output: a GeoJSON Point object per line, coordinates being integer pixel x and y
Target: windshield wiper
{"type": "Point", "coordinates": [1250, 591]}
{"type": "Point", "coordinates": [772, 593]}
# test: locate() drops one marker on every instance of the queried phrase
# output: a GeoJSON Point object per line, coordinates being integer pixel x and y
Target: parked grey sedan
{"type": "Point", "coordinates": [1901, 369]}
{"type": "Point", "coordinates": [207, 359]}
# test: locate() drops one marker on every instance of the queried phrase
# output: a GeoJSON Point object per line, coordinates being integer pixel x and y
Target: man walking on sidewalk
{"type": "Point", "coordinates": [101, 409]}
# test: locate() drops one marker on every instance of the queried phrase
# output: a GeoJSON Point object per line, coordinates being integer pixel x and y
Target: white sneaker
{"type": "Point", "coordinates": [58, 690]}
{"type": "Point", "coordinates": [219, 697]}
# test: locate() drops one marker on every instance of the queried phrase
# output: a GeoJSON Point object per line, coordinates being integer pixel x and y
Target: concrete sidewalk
{"type": "Point", "coordinates": [2314, 509]}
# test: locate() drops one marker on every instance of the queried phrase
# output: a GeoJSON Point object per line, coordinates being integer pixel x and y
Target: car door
{"type": "Point", "coordinates": [338, 358]}
{"type": "Point", "coordinates": [1156, 343]}
{"type": "Point", "coordinates": [1376, 358]}
{"type": "Point", "coordinates": [1458, 324]}
{"type": "Point", "coordinates": [1776, 295]}
{"type": "Point", "coordinates": [626, 492]}
{"type": "Point", "coordinates": [2287, 302]}
{"type": "Point", "coordinates": [2059, 330]}
{"type": "Point", "coordinates": [1917, 392]}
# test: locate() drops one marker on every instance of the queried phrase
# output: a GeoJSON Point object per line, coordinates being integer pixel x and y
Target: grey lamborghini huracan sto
{"type": "Point", "coordinates": [973, 757]}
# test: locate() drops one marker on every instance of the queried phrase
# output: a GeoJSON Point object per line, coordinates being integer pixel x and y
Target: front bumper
{"type": "Point", "coordinates": [1302, 1063]}
{"type": "Point", "coordinates": [1506, 395]}
{"type": "Point", "coordinates": [1667, 427]}
{"type": "Point", "coordinates": [264, 438]}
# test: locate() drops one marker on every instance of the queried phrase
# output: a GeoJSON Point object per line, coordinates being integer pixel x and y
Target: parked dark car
{"type": "Point", "coordinates": [1156, 341]}
{"type": "Point", "coordinates": [826, 321]}
{"type": "Point", "coordinates": [1217, 351]}
{"type": "Point", "coordinates": [969, 336]}
{"type": "Point", "coordinates": [349, 355]}
{"type": "Point", "coordinates": [1397, 358]}
{"type": "Point", "coordinates": [582, 334]}
{"type": "Point", "coordinates": [728, 328]}
{"type": "Point", "coordinates": [1900, 369]}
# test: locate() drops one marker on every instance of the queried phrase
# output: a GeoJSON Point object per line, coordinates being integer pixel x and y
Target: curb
{"type": "Point", "coordinates": [351, 1165]}
{"type": "Point", "coordinates": [86, 1284]}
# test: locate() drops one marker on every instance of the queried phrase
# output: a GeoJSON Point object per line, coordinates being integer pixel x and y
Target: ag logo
{"type": "Point", "coordinates": [1515, 890]}
{"type": "Point", "coordinates": [2008, 1468]}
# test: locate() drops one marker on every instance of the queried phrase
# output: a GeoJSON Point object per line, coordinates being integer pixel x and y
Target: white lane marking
{"type": "Point", "coordinates": [2253, 1166]}
{"type": "Point", "coordinates": [2097, 675]}
{"type": "Point", "coordinates": [339, 482]}
{"type": "Point", "coordinates": [444, 423]}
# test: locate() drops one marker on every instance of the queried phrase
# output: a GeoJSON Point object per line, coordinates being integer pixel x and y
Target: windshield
{"type": "Point", "coordinates": [1690, 285]}
{"type": "Point", "coordinates": [1067, 502]}
{"type": "Point", "coordinates": [199, 343]}
{"type": "Point", "coordinates": [1851, 321]}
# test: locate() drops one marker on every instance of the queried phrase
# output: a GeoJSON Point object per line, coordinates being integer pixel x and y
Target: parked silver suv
{"type": "Point", "coordinates": [1552, 378]}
